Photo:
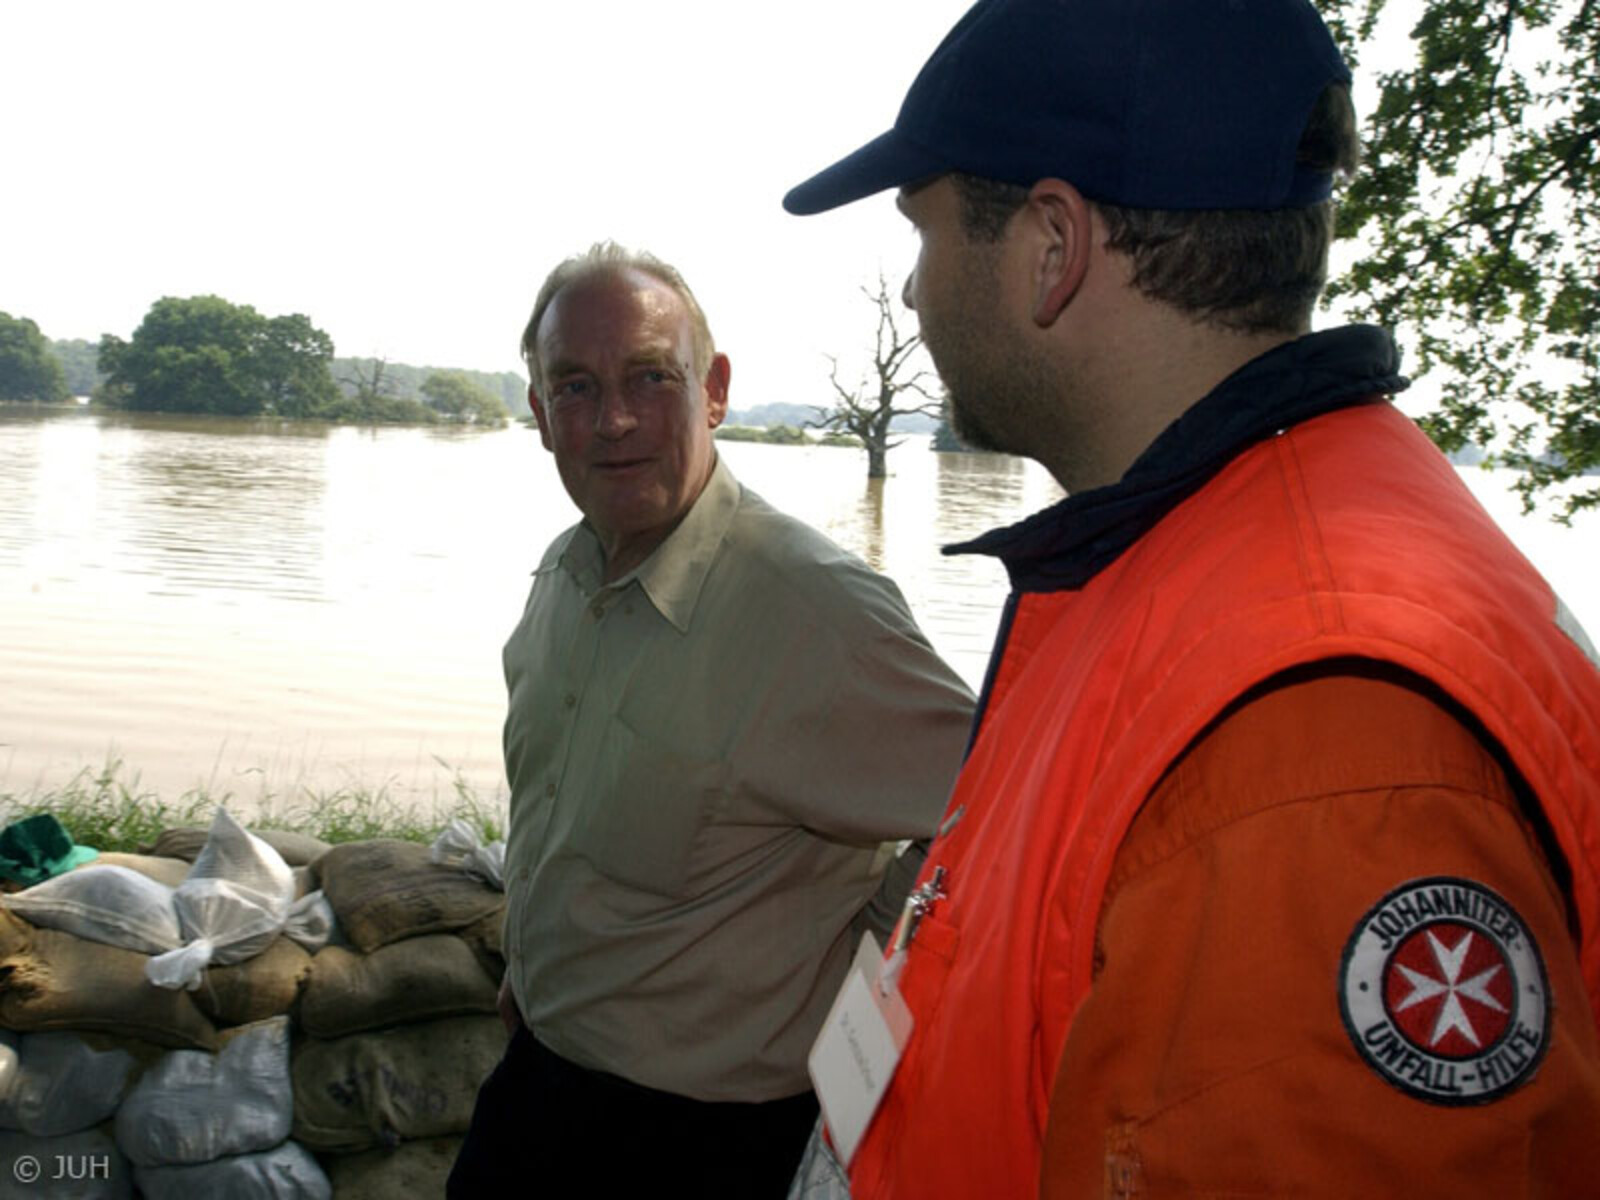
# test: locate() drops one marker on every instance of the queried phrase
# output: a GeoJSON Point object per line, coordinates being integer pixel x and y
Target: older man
{"type": "Point", "coordinates": [720, 726]}
{"type": "Point", "coordinates": [1275, 866]}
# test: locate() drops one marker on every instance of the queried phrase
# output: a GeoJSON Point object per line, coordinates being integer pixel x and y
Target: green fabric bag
{"type": "Point", "coordinates": [38, 848]}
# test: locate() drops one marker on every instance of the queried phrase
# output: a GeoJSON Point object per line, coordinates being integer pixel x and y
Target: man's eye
{"type": "Point", "coordinates": [655, 377]}
{"type": "Point", "coordinates": [572, 389]}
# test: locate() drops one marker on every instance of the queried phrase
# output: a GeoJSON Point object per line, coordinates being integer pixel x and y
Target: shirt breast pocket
{"type": "Point", "coordinates": [647, 821]}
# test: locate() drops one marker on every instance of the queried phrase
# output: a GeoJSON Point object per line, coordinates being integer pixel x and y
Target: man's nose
{"type": "Point", "coordinates": [613, 416]}
{"type": "Point", "coordinates": [905, 292]}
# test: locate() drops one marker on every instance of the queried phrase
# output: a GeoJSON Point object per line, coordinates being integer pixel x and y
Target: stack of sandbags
{"type": "Point", "coordinates": [397, 1025]}
{"type": "Point", "coordinates": [55, 1090]}
{"type": "Point", "coordinates": [366, 1050]}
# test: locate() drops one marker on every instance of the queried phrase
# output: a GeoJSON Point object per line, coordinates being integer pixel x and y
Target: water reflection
{"type": "Point", "coordinates": [235, 509]}
{"type": "Point", "coordinates": [973, 487]}
{"type": "Point", "coordinates": [870, 515]}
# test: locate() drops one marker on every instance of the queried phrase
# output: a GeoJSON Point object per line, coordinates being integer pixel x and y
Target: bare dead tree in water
{"type": "Point", "coordinates": [883, 391]}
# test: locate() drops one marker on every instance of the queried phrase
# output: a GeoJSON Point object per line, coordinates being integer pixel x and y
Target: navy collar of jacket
{"type": "Point", "coordinates": [1069, 543]}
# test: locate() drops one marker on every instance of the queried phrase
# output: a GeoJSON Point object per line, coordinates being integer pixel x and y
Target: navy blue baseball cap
{"type": "Point", "coordinates": [1170, 104]}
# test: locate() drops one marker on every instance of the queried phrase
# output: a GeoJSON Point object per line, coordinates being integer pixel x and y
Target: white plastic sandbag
{"type": "Point", "coordinates": [113, 905]}
{"type": "Point", "coordinates": [63, 1086]}
{"type": "Point", "coordinates": [286, 1172]}
{"type": "Point", "coordinates": [192, 1106]}
{"type": "Point", "coordinates": [460, 846]}
{"type": "Point", "coordinates": [234, 901]}
{"type": "Point", "coordinates": [311, 921]}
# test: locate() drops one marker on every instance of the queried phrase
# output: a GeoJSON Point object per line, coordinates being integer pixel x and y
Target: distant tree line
{"type": "Point", "coordinates": [28, 371]}
{"type": "Point", "coordinates": [783, 435]}
{"type": "Point", "coordinates": [204, 354]}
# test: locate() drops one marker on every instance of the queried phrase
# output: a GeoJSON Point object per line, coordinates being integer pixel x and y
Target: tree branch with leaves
{"type": "Point", "coordinates": [1478, 210]}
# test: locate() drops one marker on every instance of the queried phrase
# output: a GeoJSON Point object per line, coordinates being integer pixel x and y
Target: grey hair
{"type": "Point", "coordinates": [604, 258]}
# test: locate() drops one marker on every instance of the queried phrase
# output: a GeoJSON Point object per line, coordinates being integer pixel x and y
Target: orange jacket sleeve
{"type": "Point", "coordinates": [1215, 1055]}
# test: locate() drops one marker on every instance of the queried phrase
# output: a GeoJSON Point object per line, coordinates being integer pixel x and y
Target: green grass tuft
{"type": "Point", "coordinates": [109, 810]}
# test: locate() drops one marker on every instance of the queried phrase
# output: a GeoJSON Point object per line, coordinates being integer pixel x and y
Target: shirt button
{"type": "Point", "coordinates": [598, 611]}
{"type": "Point", "coordinates": [549, 789]}
{"type": "Point", "coordinates": [569, 700]}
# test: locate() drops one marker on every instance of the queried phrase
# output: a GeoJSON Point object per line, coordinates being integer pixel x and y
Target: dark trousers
{"type": "Point", "coordinates": [545, 1127]}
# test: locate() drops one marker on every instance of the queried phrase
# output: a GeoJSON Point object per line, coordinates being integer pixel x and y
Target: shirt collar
{"type": "Point", "coordinates": [674, 574]}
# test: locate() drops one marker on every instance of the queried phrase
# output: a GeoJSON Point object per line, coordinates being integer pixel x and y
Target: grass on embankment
{"type": "Point", "coordinates": [103, 809]}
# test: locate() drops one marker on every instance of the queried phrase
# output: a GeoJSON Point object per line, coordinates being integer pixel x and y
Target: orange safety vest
{"type": "Point", "coordinates": [1348, 535]}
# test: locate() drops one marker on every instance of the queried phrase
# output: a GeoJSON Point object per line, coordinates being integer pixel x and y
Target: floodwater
{"type": "Point", "coordinates": [261, 608]}
{"type": "Point", "coordinates": [266, 609]}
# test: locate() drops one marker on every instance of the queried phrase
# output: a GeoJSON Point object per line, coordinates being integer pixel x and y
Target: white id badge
{"type": "Point", "coordinates": [855, 1055]}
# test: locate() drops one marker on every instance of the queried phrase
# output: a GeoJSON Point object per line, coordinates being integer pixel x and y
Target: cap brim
{"type": "Point", "coordinates": [885, 162]}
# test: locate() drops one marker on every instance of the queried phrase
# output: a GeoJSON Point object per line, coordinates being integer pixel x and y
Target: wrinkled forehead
{"type": "Point", "coordinates": [623, 311]}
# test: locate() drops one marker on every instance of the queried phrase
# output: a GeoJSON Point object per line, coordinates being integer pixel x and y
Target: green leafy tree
{"type": "Point", "coordinates": [292, 362]}
{"type": "Point", "coordinates": [1477, 214]}
{"type": "Point", "coordinates": [455, 396]}
{"type": "Point", "coordinates": [28, 370]}
{"type": "Point", "coordinates": [206, 355]}
{"type": "Point", "coordinates": [80, 360]}
{"type": "Point", "coordinates": [866, 410]}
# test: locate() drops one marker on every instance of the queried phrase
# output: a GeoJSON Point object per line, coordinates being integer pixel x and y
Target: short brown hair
{"type": "Point", "coordinates": [1247, 271]}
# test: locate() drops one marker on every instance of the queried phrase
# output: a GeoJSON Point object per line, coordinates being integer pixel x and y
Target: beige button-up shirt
{"type": "Point", "coordinates": [711, 760]}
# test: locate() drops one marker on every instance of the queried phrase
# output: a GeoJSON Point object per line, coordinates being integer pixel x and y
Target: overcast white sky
{"type": "Point", "coordinates": [405, 174]}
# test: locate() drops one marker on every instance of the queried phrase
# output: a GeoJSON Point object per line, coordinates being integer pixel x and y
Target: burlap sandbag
{"type": "Point", "coordinates": [384, 890]}
{"type": "Point", "coordinates": [297, 849]}
{"type": "Point", "coordinates": [170, 871]}
{"type": "Point", "coordinates": [53, 980]}
{"type": "Point", "coordinates": [417, 979]}
{"type": "Point", "coordinates": [413, 1081]}
{"type": "Point", "coordinates": [415, 1170]}
{"type": "Point", "coordinates": [259, 987]}
{"type": "Point", "coordinates": [484, 936]}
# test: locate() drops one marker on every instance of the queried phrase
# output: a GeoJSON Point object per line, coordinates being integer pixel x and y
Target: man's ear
{"type": "Point", "coordinates": [717, 377]}
{"type": "Point", "coordinates": [539, 416]}
{"type": "Point", "coordinates": [1063, 225]}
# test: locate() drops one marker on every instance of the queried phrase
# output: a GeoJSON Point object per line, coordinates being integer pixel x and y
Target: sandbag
{"type": "Point", "coordinates": [51, 980]}
{"type": "Point", "coordinates": [485, 937]}
{"type": "Point", "coordinates": [75, 1166]}
{"type": "Point", "coordinates": [192, 1107]}
{"type": "Point", "coordinates": [413, 1081]}
{"type": "Point", "coordinates": [418, 979]}
{"type": "Point", "coordinates": [286, 1172]}
{"type": "Point", "coordinates": [384, 890]}
{"type": "Point", "coordinates": [296, 849]}
{"type": "Point", "coordinates": [264, 986]}
{"type": "Point", "coordinates": [311, 921]}
{"type": "Point", "coordinates": [108, 904]}
{"type": "Point", "coordinates": [233, 903]}
{"type": "Point", "coordinates": [170, 871]}
{"type": "Point", "coordinates": [459, 845]}
{"type": "Point", "coordinates": [412, 1169]}
{"type": "Point", "coordinates": [63, 1085]}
